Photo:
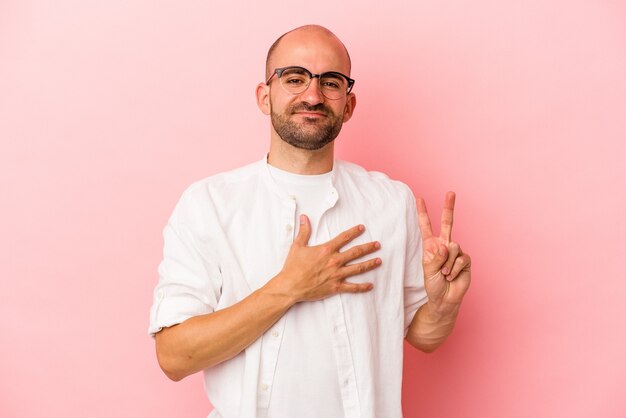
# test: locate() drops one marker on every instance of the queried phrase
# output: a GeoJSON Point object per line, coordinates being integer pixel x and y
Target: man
{"type": "Point", "coordinates": [293, 281]}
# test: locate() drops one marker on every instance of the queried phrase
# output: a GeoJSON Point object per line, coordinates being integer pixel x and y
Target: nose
{"type": "Point", "coordinates": [313, 94]}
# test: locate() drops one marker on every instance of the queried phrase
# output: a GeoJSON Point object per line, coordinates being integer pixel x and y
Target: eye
{"type": "Point", "coordinates": [332, 82]}
{"type": "Point", "coordinates": [294, 79]}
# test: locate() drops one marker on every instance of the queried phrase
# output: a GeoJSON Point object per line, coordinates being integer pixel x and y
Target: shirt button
{"type": "Point", "coordinates": [346, 382]}
{"type": "Point", "coordinates": [264, 386]}
{"type": "Point", "coordinates": [275, 334]}
{"type": "Point", "coordinates": [288, 228]}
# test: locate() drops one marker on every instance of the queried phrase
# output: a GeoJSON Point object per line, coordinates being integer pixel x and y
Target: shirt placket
{"type": "Point", "coordinates": [272, 338]}
{"type": "Point", "coordinates": [343, 357]}
{"type": "Point", "coordinates": [340, 336]}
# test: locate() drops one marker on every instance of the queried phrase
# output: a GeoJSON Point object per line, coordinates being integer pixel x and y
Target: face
{"type": "Point", "coordinates": [308, 120]}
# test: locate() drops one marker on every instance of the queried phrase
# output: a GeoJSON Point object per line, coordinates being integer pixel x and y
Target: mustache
{"type": "Point", "coordinates": [320, 107]}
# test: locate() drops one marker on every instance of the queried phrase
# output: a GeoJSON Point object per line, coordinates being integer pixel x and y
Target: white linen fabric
{"type": "Point", "coordinates": [306, 324]}
{"type": "Point", "coordinates": [230, 233]}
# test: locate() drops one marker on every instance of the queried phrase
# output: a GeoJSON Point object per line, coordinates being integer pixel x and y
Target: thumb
{"type": "Point", "coordinates": [433, 261]}
{"type": "Point", "coordinates": [305, 231]}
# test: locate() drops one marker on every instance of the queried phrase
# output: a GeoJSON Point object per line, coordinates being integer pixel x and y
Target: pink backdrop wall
{"type": "Point", "coordinates": [108, 110]}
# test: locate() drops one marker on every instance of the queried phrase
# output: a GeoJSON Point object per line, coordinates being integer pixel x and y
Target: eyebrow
{"type": "Point", "coordinates": [334, 74]}
{"type": "Point", "coordinates": [297, 69]}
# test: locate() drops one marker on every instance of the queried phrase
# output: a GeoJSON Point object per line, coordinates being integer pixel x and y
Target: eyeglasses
{"type": "Point", "coordinates": [296, 80]}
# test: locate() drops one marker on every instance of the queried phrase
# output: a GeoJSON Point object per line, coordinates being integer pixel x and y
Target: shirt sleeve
{"type": "Point", "coordinates": [189, 277]}
{"type": "Point", "coordinates": [414, 291]}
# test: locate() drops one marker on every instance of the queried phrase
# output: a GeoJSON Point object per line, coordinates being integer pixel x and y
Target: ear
{"type": "Point", "coordinates": [349, 109]}
{"type": "Point", "coordinates": [263, 98]}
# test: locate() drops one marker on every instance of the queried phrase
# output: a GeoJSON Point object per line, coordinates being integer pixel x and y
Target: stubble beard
{"type": "Point", "coordinates": [311, 134]}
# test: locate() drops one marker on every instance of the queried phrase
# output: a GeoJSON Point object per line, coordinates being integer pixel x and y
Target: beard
{"type": "Point", "coordinates": [313, 133]}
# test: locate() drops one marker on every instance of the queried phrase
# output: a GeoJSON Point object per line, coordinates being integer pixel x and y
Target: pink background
{"type": "Point", "coordinates": [108, 110]}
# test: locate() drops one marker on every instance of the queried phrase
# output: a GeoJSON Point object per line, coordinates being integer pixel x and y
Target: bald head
{"type": "Point", "coordinates": [302, 34]}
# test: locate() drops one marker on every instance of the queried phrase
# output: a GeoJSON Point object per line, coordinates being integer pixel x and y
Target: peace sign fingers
{"type": "Point", "coordinates": [447, 216]}
{"type": "Point", "coordinates": [447, 269]}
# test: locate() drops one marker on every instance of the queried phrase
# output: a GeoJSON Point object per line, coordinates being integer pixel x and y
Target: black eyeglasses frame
{"type": "Point", "coordinates": [279, 73]}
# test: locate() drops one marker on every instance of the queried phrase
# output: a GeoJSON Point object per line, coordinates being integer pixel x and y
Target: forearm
{"type": "Point", "coordinates": [430, 327]}
{"type": "Point", "coordinates": [309, 273]}
{"type": "Point", "coordinates": [206, 340]}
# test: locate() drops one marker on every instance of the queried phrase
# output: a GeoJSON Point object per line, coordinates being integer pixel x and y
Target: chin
{"type": "Point", "coordinates": [310, 145]}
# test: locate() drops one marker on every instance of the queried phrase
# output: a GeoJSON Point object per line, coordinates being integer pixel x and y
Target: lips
{"type": "Point", "coordinates": [310, 114]}
{"type": "Point", "coordinates": [310, 111]}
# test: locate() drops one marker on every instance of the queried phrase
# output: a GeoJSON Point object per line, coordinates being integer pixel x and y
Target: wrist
{"type": "Point", "coordinates": [436, 313]}
{"type": "Point", "coordinates": [281, 295]}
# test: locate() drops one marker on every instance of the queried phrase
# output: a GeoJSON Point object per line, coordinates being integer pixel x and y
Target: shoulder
{"type": "Point", "coordinates": [373, 182]}
{"type": "Point", "coordinates": [240, 178]}
{"type": "Point", "coordinates": [217, 194]}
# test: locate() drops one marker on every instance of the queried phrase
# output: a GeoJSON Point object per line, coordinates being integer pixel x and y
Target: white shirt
{"type": "Point", "coordinates": [230, 233]}
{"type": "Point", "coordinates": [306, 324]}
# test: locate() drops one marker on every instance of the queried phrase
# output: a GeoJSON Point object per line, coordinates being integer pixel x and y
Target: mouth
{"type": "Point", "coordinates": [308, 114]}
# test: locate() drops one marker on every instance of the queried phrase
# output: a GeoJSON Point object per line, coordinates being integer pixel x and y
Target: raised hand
{"type": "Point", "coordinates": [447, 270]}
{"type": "Point", "coordinates": [316, 272]}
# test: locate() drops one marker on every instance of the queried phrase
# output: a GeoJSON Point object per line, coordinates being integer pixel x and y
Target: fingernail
{"type": "Point", "coordinates": [361, 228]}
{"type": "Point", "coordinates": [445, 271]}
{"type": "Point", "coordinates": [301, 219]}
{"type": "Point", "coordinates": [379, 261]}
{"type": "Point", "coordinates": [377, 245]}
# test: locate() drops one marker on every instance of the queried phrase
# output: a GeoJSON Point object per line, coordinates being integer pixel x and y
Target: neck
{"type": "Point", "coordinates": [300, 161]}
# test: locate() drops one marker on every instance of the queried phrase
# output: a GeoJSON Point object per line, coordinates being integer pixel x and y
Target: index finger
{"type": "Point", "coordinates": [447, 216]}
{"type": "Point", "coordinates": [346, 236]}
{"type": "Point", "coordinates": [423, 219]}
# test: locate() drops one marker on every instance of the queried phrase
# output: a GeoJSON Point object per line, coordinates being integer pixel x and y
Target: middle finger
{"type": "Point", "coordinates": [358, 251]}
